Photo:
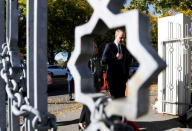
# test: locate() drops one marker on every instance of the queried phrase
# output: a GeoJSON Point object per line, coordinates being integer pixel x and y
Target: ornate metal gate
{"type": "Point", "coordinates": [174, 84]}
{"type": "Point", "coordinates": [106, 16]}
{"type": "Point", "coordinates": [31, 109]}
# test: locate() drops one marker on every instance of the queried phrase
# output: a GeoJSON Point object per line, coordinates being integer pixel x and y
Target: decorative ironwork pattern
{"type": "Point", "coordinates": [174, 48]}
{"type": "Point", "coordinates": [137, 27]}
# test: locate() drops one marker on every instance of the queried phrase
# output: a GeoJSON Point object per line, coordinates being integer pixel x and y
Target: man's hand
{"type": "Point", "coordinates": [119, 56]}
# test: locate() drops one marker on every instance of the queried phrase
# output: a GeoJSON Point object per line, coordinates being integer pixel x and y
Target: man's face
{"type": "Point", "coordinates": [120, 37]}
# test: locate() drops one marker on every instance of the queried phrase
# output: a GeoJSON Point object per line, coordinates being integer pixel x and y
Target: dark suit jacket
{"type": "Point", "coordinates": [116, 69]}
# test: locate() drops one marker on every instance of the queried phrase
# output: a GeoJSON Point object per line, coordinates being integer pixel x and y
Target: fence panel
{"type": "Point", "coordinates": [30, 109]}
{"type": "Point", "coordinates": [2, 83]}
{"type": "Point", "coordinates": [40, 57]}
{"type": "Point", "coordinates": [136, 26]}
{"type": "Point", "coordinates": [106, 15]}
{"type": "Point", "coordinates": [174, 47]}
{"type": "Point", "coordinates": [30, 55]}
{"type": "Point", "coordinates": [13, 51]}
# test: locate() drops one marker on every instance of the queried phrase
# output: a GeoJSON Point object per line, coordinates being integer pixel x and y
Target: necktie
{"type": "Point", "coordinates": [119, 49]}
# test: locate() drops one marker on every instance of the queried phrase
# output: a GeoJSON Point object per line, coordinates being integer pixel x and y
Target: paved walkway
{"type": "Point", "coordinates": [67, 114]}
{"type": "Point", "coordinates": [68, 121]}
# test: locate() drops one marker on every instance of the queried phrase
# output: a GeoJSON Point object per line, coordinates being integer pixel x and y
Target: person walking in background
{"type": "Point", "coordinates": [70, 84]}
{"type": "Point", "coordinates": [95, 66]}
{"type": "Point", "coordinates": [117, 58]}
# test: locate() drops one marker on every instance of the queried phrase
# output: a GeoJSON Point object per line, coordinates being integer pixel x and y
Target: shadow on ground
{"type": "Point", "coordinates": [59, 87]}
{"type": "Point", "coordinates": [160, 125]}
{"type": "Point", "coordinates": [65, 123]}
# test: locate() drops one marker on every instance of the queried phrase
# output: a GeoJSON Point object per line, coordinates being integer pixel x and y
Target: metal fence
{"type": "Point", "coordinates": [106, 16]}
{"type": "Point", "coordinates": [174, 84]}
{"type": "Point", "coordinates": [31, 109]}
{"type": "Point", "coordinates": [25, 112]}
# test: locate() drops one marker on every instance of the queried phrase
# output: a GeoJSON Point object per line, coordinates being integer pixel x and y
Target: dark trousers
{"type": "Point", "coordinates": [85, 116]}
{"type": "Point", "coordinates": [117, 87]}
{"type": "Point", "coordinates": [70, 88]}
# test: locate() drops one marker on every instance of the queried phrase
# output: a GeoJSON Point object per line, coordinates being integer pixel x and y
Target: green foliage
{"type": "Point", "coordinates": [161, 7]}
{"type": "Point", "coordinates": [168, 6]}
{"type": "Point", "coordinates": [22, 26]}
{"type": "Point", "coordinates": [143, 6]}
{"type": "Point", "coordinates": [102, 40]}
{"type": "Point", "coordinates": [154, 33]}
{"type": "Point", "coordinates": [61, 63]}
{"type": "Point", "coordinates": [63, 17]}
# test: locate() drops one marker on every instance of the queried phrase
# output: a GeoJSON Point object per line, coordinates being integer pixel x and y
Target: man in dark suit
{"type": "Point", "coordinates": [117, 58]}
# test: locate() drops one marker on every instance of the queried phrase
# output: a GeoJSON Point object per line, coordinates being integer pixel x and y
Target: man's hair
{"type": "Point", "coordinates": [118, 31]}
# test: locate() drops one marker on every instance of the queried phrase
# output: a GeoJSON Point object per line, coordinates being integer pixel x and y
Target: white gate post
{"type": "Point", "coordinates": [2, 83]}
{"type": "Point", "coordinates": [174, 47]}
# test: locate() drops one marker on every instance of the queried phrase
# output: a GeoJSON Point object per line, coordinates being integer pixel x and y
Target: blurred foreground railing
{"type": "Point", "coordinates": [106, 16]}
{"type": "Point", "coordinates": [27, 103]}
{"type": "Point", "coordinates": [32, 108]}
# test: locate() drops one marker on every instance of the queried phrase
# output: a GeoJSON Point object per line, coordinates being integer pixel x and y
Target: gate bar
{"type": "Point", "coordinates": [2, 83]}
{"type": "Point", "coordinates": [40, 56]}
{"type": "Point", "coordinates": [11, 40]}
{"type": "Point", "coordinates": [30, 57]}
{"type": "Point", "coordinates": [177, 40]}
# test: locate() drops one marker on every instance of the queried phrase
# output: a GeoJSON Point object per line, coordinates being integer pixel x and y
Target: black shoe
{"type": "Point", "coordinates": [71, 99]}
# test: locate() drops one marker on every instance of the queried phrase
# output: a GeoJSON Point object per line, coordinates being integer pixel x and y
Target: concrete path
{"type": "Point", "coordinates": [68, 112]}
{"type": "Point", "coordinates": [68, 121]}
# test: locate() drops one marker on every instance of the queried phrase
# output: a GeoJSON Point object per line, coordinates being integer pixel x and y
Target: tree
{"type": "Point", "coordinates": [22, 26]}
{"type": "Point", "coordinates": [162, 8]}
{"type": "Point", "coordinates": [168, 6]}
{"type": "Point", "coordinates": [62, 63]}
{"type": "Point", "coordinates": [63, 17]}
{"type": "Point", "coordinates": [143, 6]}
